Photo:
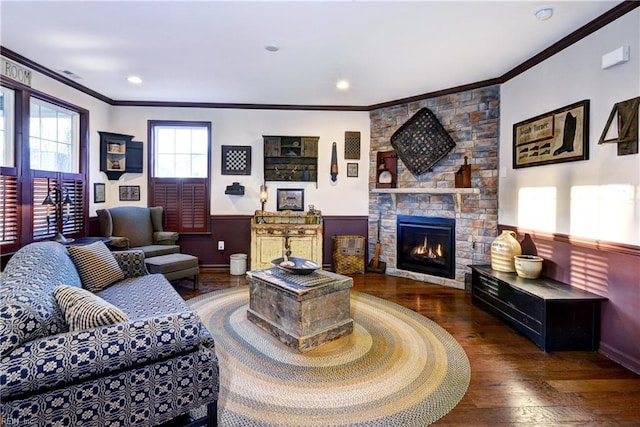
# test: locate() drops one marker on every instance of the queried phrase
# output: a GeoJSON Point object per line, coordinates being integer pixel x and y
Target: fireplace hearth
{"type": "Point", "coordinates": [426, 245]}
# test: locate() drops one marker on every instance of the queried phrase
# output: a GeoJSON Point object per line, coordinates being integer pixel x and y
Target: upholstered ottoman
{"type": "Point", "coordinates": [175, 266]}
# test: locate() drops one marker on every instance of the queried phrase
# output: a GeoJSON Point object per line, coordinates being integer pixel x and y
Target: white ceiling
{"type": "Point", "coordinates": [214, 51]}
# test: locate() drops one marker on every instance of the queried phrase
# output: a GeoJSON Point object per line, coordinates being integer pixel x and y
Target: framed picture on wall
{"type": "Point", "coordinates": [290, 199]}
{"type": "Point", "coordinates": [236, 160]}
{"type": "Point", "coordinates": [352, 170]}
{"type": "Point", "coordinates": [558, 136]}
{"type": "Point", "coordinates": [129, 193]}
{"type": "Point", "coordinates": [99, 193]}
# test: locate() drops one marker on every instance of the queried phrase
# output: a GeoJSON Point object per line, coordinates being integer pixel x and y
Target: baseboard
{"type": "Point", "coordinates": [621, 358]}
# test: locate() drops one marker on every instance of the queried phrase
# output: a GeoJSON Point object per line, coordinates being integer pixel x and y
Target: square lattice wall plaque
{"type": "Point", "coordinates": [352, 145]}
{"type": "Point", "coordinates": [236, 160]}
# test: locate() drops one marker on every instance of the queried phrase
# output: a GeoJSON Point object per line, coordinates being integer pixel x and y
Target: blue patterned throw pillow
{"type": "Point", "coordinates": [96, 266]}
{"type": "Point", "coordinates": [84, 310]}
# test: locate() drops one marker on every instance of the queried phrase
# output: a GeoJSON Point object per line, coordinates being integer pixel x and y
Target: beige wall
{"type": "Point", "coordinates": [598, 198]}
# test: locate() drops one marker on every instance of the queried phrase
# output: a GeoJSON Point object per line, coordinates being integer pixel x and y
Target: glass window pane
{"type": "Point", "coordinates": [185, 147]}
{"type": "Point", "coordinates": [199, 166]}
{"type": "Point", "coordinates": [183, 165]}
{"type": "Point", "coordinates": [165, 145]}
{"type": "Point", "coordinates": [165, 166]}
{"type": "Point", "coordinates": [53, 137]}
{"type": "Point", "coordinates": [7, 134]}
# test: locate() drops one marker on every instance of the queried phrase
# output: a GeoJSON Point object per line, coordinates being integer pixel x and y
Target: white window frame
{"type": "Point", "coordinates": [7, 123]}
{"type": "Point", "coordinates": [174, 141]}
{"type": "Point", "coordinates": [56, 142]}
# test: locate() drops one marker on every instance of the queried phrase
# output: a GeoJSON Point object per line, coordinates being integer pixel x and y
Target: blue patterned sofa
{"type": "Point", "coordinates": [154, 366]}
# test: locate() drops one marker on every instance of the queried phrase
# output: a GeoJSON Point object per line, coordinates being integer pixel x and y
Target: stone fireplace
{"type": "Point", "coordinates": [426, 245]}
{"type": "Point", "coordinates": [471, 118]}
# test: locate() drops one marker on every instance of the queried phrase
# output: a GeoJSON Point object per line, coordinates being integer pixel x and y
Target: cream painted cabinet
{"type": "Point", "coordinates": [272, 234]}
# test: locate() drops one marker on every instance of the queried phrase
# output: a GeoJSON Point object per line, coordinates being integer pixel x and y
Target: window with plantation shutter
{"type": "Point", "coordinates": [185, 202]}
{"type": "Point", "coordinates": [179, 159]}
{"type": "Point", "coordinates": [43, 152]}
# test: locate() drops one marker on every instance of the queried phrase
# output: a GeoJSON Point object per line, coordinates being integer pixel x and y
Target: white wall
{"type": "Point", "coordinates": [347, 196]}
{"type": "Point", "coordinates": [609, 205]}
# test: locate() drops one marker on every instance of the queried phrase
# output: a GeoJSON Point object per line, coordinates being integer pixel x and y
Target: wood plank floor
{"type": "Point", "coordinates": [513, 382]}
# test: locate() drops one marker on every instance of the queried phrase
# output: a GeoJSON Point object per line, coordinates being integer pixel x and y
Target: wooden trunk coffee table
{"type": "Point", "coordinates": [301, 311]}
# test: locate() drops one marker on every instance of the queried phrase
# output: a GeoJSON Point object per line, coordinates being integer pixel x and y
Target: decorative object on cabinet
{"type": "Point", "coordinates": [99, 193]}
{"type": "Point", "coordinates": [236, 160]}
{"type": "Point", "coordinates": [129, 193]}
{"type": "Point", "coordinates": [334, 162]}
{"type": "Point", "coordinates": [387, 169]}
{"type": "Point", "coordinates": [275, 233]}
{"type": "Point", "coordinates": [558, 136]}
{"type": "Point", "coordinates": [290, 199]}
{"type": "Point", "coordinates": [622, 127]}
{"type": "Point", "coordinates": [61, 210]}
{"type": "Point", "coordinates": [119, 155]}
{"type": "Point", "coordinates": [503, 250]}
{"type": "Point", "coordinates": [352, 170]}
{"type": "Point", "coordinates": [351, 145]}
{"type": "Point", "coordinates": [421, 142]}
{"type": "Point", "coordinates": [291, 158]}
{"type": "Point", "coordinates": [264, 195]}
{"type": "Point", "coordinates": [528, 266]}
{"type": "Point", "coordinates": [235, 189]}
{"type": "Point", "coordinates": [463, 176]}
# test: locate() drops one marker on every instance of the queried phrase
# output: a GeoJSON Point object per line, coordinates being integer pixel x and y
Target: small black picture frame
{"type": "Point", "coordinates": [99, 192]}
{"type": "Point", "coordinates": [236, 160]}
{"type": "Point", "coordinates": [129, 193]}
{"type": "Point", "coordinates": [290, 199]}
{"type": "Point", "coordinates": [352, 170]}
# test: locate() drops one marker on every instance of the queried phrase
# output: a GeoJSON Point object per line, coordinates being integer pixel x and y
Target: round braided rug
{"type": "Point", "coordinates": [397, 368]}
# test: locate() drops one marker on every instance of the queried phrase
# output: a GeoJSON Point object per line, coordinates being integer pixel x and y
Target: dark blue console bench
{"type": "Point", "coordinates": [554, 315]}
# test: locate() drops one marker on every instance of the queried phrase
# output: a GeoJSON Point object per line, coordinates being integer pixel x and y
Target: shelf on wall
{"type": "Point", "coordinates": [456, 193]}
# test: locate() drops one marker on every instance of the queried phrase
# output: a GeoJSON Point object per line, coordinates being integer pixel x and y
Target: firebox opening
{"type": "Point", "coordinates": [426, 245]}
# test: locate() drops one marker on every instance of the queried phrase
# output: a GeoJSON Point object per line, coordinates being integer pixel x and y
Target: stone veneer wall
{"type": "Point", "coordinates": [472, 120]}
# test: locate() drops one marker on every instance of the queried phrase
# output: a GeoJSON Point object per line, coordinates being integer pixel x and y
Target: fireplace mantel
{"type": "Point", "coordinates": [456, 193]}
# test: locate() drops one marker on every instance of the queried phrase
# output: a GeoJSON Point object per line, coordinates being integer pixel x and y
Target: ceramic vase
{"type": "Point", "coordinates": [528, 266]}
{"type": "Point", "coordinates": [503, 249]}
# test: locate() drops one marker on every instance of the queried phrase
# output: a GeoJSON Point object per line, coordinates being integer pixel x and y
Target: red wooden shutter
{"type": "Point", "coordinates": [195, 206]}
{"type": "Point", "coordinates": [185, 202]}
{"type": "Point", "coordinates": [9, 212]}
{"type": "Point", "coordinates": [164, 192]}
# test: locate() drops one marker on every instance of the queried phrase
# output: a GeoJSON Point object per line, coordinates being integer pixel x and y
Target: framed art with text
{"type": "Point", "coordinates": [558, 136]}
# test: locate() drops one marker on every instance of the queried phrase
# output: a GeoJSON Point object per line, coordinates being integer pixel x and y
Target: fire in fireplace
{"type": "Point", "coordinates": [426, 245]}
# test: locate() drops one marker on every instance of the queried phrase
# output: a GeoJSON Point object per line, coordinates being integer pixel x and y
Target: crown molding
{"type": "Point", "coordinates": [606, 18]}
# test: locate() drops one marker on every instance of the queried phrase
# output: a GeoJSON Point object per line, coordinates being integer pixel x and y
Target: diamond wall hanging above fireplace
{"type": "Point", "coordinates": [421, 142]}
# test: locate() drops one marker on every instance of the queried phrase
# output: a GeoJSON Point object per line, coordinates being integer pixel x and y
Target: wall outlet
{"type": "Point", "coordinates": [221, 245]}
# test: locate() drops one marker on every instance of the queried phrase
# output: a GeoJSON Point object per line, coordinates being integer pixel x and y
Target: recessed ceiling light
{"type": "Point", "coordinates": [343, 85]}
{"type": "Point", "coordinates": [135, 80]}
{"type": "Point", "coordinates": [272, 48]}
{"type": "Point", "coordinates": [544, 13]}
